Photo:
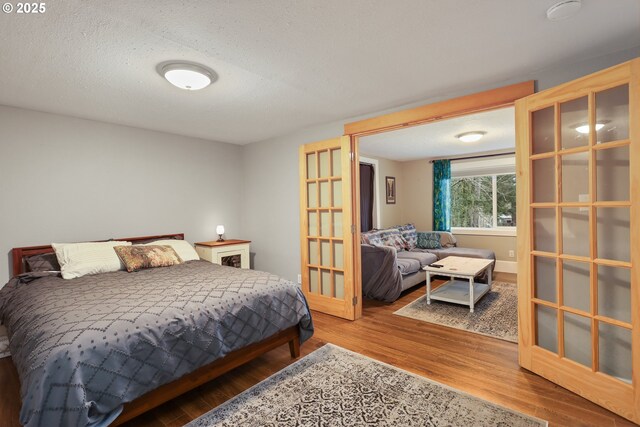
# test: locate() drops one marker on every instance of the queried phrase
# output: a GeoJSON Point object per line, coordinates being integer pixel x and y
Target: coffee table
{"type": "Point", "coordinates": [466, 291]}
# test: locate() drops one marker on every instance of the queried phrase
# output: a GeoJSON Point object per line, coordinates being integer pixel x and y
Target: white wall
{"type": "Point", "coordinates": [68, 179]}
{"type": "Point", "coordinates": [270, 199]}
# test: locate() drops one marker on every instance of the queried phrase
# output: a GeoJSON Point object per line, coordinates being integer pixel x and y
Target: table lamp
{"type": "Point", "coordinates": [220, 231]}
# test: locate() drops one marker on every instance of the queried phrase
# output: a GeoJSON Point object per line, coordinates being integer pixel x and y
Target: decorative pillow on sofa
{"type": "Point", "coordinates": [388, 237]}
{"type": "Point", "coordinates": [429, 240]}
{"type": "Point", "coordinates": [43, 262]}
{"type": "Point", "coordinates": [447, 240]}
{"type": "Point", "coordinates": [364, 236]}
{"type": "Point", "coordinates": [409, 234]}
{"type": "Point", "coordinates": [137, 257]}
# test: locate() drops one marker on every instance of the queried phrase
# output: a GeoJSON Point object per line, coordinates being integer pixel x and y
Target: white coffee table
{"type": "Point", "coordinates": [465, 291]}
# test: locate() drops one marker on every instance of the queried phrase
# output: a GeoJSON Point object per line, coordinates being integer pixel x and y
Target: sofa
{"type": "Point", "coordinates": [392, 259]}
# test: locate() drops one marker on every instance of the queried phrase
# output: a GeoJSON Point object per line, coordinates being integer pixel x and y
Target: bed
{"type": "Point", "coordinates": [102, 349]}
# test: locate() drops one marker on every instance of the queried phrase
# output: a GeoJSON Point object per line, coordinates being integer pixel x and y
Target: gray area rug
{"type": "Point", "coordinates": [495, 315]}
{"type": "Point", "coordinates": [335, 387]}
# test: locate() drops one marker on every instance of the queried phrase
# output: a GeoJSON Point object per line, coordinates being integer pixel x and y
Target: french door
{"type": "Point", "coordinates": [326, 232]}
{"type": "Point", "coordinates": [578, 168]}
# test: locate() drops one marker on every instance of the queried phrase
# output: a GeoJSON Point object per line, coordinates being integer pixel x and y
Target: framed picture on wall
{"type": "Point", "coordinates": [390, 182]}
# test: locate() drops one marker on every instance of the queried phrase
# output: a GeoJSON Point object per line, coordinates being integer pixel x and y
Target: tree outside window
{"type": "Point", "coordinates": [487, 201]}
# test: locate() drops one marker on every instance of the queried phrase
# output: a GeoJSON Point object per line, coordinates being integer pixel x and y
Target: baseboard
{"type": "Point", "coordinates": [506, 266]}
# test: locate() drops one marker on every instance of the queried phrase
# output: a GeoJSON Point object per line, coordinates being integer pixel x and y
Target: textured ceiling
{"type": "Point", "coordinates": [438, 139]}
{"type": "Point", "coordinates": [285, 65]}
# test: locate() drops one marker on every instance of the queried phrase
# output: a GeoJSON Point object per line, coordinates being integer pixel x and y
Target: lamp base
{"type": "Point", "coordinates": [220, 239]}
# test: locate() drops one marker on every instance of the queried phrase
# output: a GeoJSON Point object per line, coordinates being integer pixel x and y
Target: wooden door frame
{"type": "Point", "coordinates": [475, 103]}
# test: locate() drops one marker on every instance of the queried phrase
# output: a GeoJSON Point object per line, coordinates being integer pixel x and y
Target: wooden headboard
{"type": "Point", "coordinates": [19, 254]}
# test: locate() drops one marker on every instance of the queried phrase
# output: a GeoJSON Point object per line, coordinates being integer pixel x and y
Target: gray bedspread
{"type": "Point", "coordinates": [85, 346]}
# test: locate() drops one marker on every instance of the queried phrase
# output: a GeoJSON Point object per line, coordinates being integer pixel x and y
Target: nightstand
{"type": "Point", "coordinates": [232, 253]}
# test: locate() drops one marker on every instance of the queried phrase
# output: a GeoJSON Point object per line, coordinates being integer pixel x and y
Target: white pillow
{"type": "Point", "coordinates": [185, 251]}
{"type": "Point", "coordinates": [80, 259]}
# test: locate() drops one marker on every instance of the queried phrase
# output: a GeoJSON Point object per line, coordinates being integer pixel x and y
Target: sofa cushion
{"type": "Point", "coordinates": [409, 234]}
{"type": "Point", "coordinates": [424, 258]}
{"type": "Point", "coordinates": [464, 252]}
{"type": "Point", "coordinates": [430, 240]}
{"type": "Point", "coordinates": [407, 265]}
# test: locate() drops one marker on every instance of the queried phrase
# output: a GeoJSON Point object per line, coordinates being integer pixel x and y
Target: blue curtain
{"type": "Point", "coordinates": [442, 195]}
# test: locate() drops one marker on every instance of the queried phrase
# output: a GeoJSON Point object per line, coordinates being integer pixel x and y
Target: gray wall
{"type": "Point", "coordinates": [68, 179]}
{"type": "Point", "coordinates": [270, 205]}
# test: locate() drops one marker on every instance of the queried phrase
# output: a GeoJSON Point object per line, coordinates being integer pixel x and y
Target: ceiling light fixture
{"type": "Point", "coordinates": [585, 128]}
{"type": "Point", "coordinates": [471, 136]}
{"type": "Point", "coordinates": [563, 10]}
{"type": "Point", "coordinates": [185, 75]}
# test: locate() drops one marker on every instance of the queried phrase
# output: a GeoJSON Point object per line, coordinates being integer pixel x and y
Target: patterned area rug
{"type": "Point", "coordinates": [335, 387]}
{"type": "Point", "coordinates": [495, 314]}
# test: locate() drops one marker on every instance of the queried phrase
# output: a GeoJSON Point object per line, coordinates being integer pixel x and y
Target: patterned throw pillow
{"type": "Point", "coordinates": [409, 234]}
{"type": "Point", "coordinates": [364, 237]}
{"type": "Point", "coordinates": [429, 241]}
{"type": "Point", "coordinates": [388, 237]}
{"type": "Point", "coordinates": [137, 257]}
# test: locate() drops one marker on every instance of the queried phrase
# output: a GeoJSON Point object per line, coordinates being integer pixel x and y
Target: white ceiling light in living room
{"type": "Point", "coordinates": [471, 136]}
{"type": "Point", "coordinates": [187, 76]}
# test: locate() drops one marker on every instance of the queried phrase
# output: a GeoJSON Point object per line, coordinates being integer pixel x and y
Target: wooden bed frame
{"type": "Point", "coordinates": [196, 378]}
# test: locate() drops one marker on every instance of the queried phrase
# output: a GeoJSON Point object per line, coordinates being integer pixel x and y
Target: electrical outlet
{"type": "Point", "coordinates": [512, 254]}
{"type": "Point", "coordinates": [299, 279]}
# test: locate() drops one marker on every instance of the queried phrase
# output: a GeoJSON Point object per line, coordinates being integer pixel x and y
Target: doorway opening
{"type": "Point", "coordinates": [479, 219]}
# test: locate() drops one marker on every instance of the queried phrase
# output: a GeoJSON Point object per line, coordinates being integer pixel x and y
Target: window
{"type": "Point", "coordinates": [483, 195]}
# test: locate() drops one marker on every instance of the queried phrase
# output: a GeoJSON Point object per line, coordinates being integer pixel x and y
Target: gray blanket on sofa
{"type": "Point", "coordinates": [85, 346]}
{"type": "Point", "coordinates": [381, 275]}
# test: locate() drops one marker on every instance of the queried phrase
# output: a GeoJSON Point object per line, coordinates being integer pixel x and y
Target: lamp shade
{"type": "Point", "coordinates": [220, 229]}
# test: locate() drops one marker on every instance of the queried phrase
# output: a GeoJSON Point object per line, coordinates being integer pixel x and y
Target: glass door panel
{"type": "Point", "coordinates": [575, 177]}
{"type": "Point", "coordinates": [612, 174]}
{"type": "Point", "coordinates": [544, 181]}
{"type": "Point", "coordinates": [575, 231]}
{"type": "Point", "coordinates": [311, 166]}
{"type": "Point", "coordinates": [576, 280]}
{"type": "Point", "coordinates": [544, 228]}
{"type": "Point", "coordinates": [324, 164]}
{"type": "Point", "coordinates": [577, 338]}
{"type": "Point", "coordinates": [313, 252]}
{"type": "Point", "coordinates": [614, 293]}
{"type": "Point", "coordinates": [574, 119]}
{"type": "Point", "coordinates": [543, 140]}
{"type": "Point", "coordinates": [546, 327]}
{"type": "Point", "coordinates": [612, 114]}
{"type": "Point", "coordinates": [325, 197]}
{"type": "Point", "coordinates": [336, 163]}
{"type": "Point", "coordinates": [613, 234]}
{"type": "Point", "coordinates": [545, 279]}
{"type": "Point", "coordinates": [325, 252]}
{"type": "Point", "coordinates": [615, 351]}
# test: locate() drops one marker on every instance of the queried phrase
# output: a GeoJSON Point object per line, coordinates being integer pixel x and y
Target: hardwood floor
{"type": "Point", "coordinates": [482, 366]}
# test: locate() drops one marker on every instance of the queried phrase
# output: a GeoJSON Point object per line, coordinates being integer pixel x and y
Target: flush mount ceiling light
{"type": "Point", "coordinates": [187, 75]}
{"type": "Point", "coordinates": [563, 10]}
{"type": "Point", "coordinates": [471, 136]}
{"type": "Point", "coordinates": [584, 128]}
